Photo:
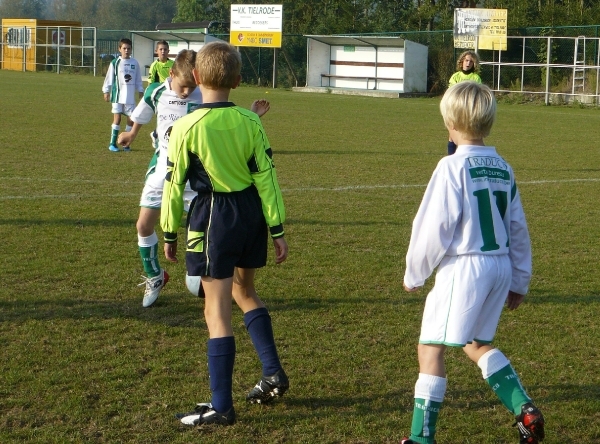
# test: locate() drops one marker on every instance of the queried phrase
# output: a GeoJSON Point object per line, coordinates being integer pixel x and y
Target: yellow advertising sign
{"type": "Point", "coordinates": [486, 28]}
{"type": "Point", "coordinates": [254, 38]}
{"type": "Point", "coordinates": [256, 25]}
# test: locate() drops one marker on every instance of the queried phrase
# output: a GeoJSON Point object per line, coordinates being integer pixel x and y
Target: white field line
{"type": "Point", "coordinates": [284, 190]}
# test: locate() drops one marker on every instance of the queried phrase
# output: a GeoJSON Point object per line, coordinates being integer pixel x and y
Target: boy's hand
{"type": "Point", "coordinates": [171, 251]}
{"type": "Point", "coordinates": [126, 139]}
{"type": "Point", "coordinates": [411, 290]}
{"type": "Point", "coordinates": [260, 107]}
{"type": "Point", "coordinates": [106, 97]}
{"type": "Point", "coordinates": [513, 300]}
{"type": "Point", "coordinates": [281, 250]}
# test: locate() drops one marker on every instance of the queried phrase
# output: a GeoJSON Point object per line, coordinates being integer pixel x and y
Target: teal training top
{"type": "Point", "coordinates": [460, 76]}
{"type": "Point", "coordinates": [221, 148]}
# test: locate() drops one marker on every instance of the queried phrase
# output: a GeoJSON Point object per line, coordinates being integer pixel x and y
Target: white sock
{"type": "Point", "coordinates": [148, 241]}
{"type": "Point", "coordinates": [430, 387]}
{"type": "Point", "coordinates": [491, 362]}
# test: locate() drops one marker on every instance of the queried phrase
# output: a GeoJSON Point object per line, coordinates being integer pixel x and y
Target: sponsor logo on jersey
{"type": "Point", "coordinates": [491, 169]}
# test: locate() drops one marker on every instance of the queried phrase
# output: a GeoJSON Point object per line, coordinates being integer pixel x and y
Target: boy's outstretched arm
{"type": "Point", "coordinates": [260, 107]}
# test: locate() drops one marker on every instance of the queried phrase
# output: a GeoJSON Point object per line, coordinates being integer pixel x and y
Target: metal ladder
{"type": "Point", "coordinates": [579, 66]}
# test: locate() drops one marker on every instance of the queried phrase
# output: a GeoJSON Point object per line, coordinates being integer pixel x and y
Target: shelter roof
{"type": "Point", "coordinates": [372, 41]}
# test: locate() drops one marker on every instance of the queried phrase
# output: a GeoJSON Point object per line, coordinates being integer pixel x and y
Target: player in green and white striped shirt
{"type": "Point", "coordinates": [122, 80]}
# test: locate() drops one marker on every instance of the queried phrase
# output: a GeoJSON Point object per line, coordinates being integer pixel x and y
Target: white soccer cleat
{"type": "Point", "coordinates": [153, 287]}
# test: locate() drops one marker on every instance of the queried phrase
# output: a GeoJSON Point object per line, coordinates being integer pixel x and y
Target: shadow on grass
{"type": "Point", "coordinates": [77, 223]}
{"type": "Point", "coordinates": [358, 152]}
{"type": "Point", "coordinates": [552, 393]}
{"type": "Point", "coordinates": [350, 223]}
{"type": "Point", "coordinates": [538, 298]}
{"type": "Point", "coordinates": [170, 312]}
{"type": "Point", "coordinates": [175, 311]}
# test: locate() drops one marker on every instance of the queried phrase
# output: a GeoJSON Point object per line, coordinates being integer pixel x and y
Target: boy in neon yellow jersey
{"type": "Point", "coordinates": [467, 68]}
{"type": "Point", "coordinates": [223, 151]}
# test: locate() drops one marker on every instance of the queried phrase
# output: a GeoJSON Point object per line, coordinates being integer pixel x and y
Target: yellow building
{"type": "Point", "coordinates": [31, 44]}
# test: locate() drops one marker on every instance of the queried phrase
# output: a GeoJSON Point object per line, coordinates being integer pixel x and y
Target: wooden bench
{"type": "Point", "coordinates": [366, 78]}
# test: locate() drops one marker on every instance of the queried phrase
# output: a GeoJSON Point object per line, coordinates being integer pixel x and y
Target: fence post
{"type": "Point", "coordinates": [24, 40]}
{"type": "Point", "coordinates": [274, 68]}
{"type": "Point", "coordinates": [548, 53]}
{"type": "Point", "coordinates": [58, 52]}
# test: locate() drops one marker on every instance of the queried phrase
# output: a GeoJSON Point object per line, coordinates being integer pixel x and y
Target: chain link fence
{"type": "Point", "coordinates": [537, 60]}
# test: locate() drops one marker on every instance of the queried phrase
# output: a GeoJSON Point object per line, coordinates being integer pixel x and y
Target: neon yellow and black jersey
{"type": "Point", "coordinates": [220, 148]}
{"type": "Point", "coordinates": [159, 71]}
{"type": "Point", "coordinates": [460, 76]}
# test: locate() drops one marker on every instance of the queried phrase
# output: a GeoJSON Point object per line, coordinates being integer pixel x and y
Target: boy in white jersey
{"type": "Point", "coordinates": [122, 80]}
{"type": "Point", "coordinates": [170, 100]}
{"type": "Point", "coordinates": [471, 226]}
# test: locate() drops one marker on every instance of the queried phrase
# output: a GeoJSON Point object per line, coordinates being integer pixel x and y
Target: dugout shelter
{"type": "Point", "coordinates": [192, 35]}
{"type": "Point", "coordinates": [366, 63]}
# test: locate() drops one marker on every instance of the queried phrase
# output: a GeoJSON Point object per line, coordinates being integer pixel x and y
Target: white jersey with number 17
{"type": "Point", "coordinates": [471, 206]}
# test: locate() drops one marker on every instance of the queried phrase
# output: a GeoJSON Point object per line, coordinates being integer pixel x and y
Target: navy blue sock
{"type": "Point", "coordinates": [451, 147]}
{"type": "Point", "coordinates": [258, 323]}
{"type": "Point", "coordinates": [221, 357]}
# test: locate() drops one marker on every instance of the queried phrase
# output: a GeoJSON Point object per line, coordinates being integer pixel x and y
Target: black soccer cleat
{"type": "Point", "coordinates": [530, 424]}
{"type": "Point", "coordinates": [205, 414]}
{"type": "Point", "coordinates": [268, 388]}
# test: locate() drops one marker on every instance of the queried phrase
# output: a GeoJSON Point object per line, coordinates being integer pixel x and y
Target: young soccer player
{"type": "Point", "coordinates": [471, 226]}
{"type": "Point", "coordinates": [224, 152]}
{"type": "Point", "coordinates": [467, 68]}
{"type": "Point", "coordinates": [170, 100]}
{"type": "Point", "coordinates": [159, 69]}
{"type": "Point", "coordinates": [122, 80]}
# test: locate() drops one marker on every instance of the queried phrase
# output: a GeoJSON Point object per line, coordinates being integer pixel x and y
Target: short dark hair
{"type": "Point", "coordinates": [183, 66]}
{"type": "Point", "coordinates": [125, 41]}
{"type": "Point", "coordinates": [162, 42]}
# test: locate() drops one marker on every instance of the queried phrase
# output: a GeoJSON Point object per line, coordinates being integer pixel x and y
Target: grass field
{"type": "Point", "coordinates": [84, 362]}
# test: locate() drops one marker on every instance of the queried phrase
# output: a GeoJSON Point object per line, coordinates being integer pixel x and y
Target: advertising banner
{"type": "Point", "coordinates": [485, 27]}
{"type": "Point", "coordinates": [256, 25]}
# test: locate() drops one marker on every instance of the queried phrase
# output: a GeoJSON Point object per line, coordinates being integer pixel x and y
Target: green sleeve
{"type": "Point", "coordinates": [178, 162]}
{"type": "Point", "coordinates": [264, 176]}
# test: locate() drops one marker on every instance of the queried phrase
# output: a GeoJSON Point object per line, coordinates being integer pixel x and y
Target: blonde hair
{"type": "Point", "coordinates": [183, 66]}
{"type": "Point", "coordinates": [461, 59]}
{"type": "Point", "coordinates": [219, 65]}
{"type": "Point", "coordinates": [470, 108]}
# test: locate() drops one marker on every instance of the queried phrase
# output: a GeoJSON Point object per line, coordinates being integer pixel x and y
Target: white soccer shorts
{"type": "Point", "coordinates": [120, 108]}
{"type": "Point", "coordinates": [155, 181]}
{"type": "Point", "coordinates": [467, 299]}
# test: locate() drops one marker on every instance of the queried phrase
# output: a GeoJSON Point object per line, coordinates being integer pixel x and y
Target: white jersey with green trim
{"type": "Point", "coordinates": [471, 206]}
{"type": "Point", "coordinates": [123, 80]}
{"type": "Point", "coordinates": [161, 100]}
